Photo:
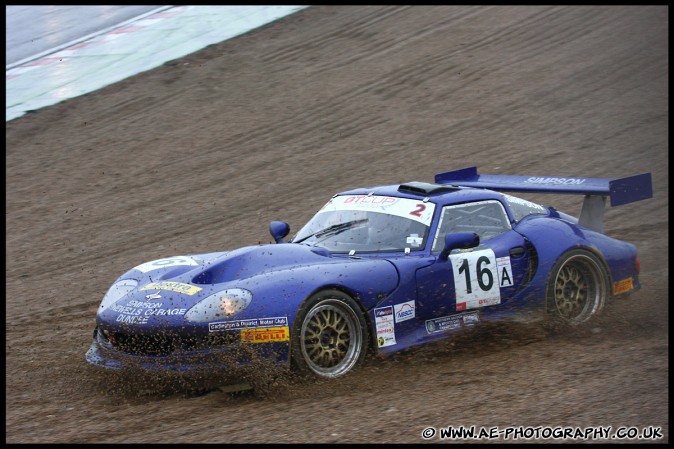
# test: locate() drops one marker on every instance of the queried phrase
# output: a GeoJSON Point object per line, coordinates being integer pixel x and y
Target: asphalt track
{"type": "Point", "coordinates": [201, 153]}
{"type": "Point", "coordinates": [70, 68]}
{"type": "Point", "coordinates": [35, 29]}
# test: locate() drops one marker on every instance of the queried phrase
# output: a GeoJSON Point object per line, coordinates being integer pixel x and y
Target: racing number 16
{"type": "Point", "coordinates": [485, 278]}
{"type": "Point", "coordinates": [475, 278]}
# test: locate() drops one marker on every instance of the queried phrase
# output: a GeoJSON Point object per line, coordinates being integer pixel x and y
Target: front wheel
{"type": "Point", "coordinates": [578, 287]}
{"type": "Point", "coordinates": [330, 335]}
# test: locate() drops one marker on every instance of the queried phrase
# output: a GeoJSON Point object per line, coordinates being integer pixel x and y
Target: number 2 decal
{"type": "Point", "coordinates": [417, 212]}
{"type": "Point", "coordinates": [476, 280]}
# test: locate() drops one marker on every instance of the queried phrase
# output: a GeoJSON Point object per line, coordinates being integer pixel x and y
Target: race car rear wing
{"type": "Point", "coordinates": [619, 190]}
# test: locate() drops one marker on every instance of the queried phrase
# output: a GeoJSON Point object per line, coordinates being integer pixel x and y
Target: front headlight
{"type": "Point", "coordinates": [118, 289]}
{"type": "Point", "coordinates": [220, 305]}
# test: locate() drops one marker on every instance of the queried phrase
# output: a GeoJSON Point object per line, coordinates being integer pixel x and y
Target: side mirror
{"type": "Point", "coordinates": [278, 230]}
{"type": "Point", "coordinates": [461, 240]}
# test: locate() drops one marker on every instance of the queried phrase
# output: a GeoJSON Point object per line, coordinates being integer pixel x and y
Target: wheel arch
{"type": "Point", "coordinates": [561, 261]}
{"type": "Point", "coordinates": [596, 252]}
{"type": "Point", "coordinates": [356, 298]}
{"type": "Point", "coordinates": [305, 307]}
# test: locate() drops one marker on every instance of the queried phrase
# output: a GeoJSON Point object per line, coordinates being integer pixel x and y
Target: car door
{"type": "Point", "coordinates": [469, 280]}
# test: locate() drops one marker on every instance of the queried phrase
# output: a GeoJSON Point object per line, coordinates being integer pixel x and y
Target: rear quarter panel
{"type": "Point", "coordinates": [552, 237]}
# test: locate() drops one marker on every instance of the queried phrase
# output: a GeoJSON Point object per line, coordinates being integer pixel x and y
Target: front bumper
{"type": "Point", "coordinates": [104, 354]}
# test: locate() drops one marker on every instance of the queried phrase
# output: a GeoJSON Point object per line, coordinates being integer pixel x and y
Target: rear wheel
{"type": "Point", "coordinates": [330, 335]}
{"type": "Point", "coordinates": [578, 287]}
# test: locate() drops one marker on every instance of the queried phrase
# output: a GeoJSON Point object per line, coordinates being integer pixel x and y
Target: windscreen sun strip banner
{"type": "Point", "coordinates": [418, 210]}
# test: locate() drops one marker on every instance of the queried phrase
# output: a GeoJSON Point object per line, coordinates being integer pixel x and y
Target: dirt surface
{"type": "Point", "coordinates": [199, 155]}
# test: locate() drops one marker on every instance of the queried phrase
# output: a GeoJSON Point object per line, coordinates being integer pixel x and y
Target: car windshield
{"type": "Point", "coordinates": [369, 223]}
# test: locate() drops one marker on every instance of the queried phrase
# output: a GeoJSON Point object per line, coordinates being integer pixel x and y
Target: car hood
{"type": "Point", "coordinates": [252, 261]}
{"type": "Point", "coordinates": [166, 291]}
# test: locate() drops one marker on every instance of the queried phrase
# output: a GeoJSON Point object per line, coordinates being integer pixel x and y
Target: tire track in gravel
{"type": "Point", "coordinates": [521, 47]}
{"type": "Point", "coordinates": [348, 125]}
{"type": "Point", "coordinates": [378, 46]}
{"type": "Point", "coordinates": [268, 126]}
{"type": "Point", "coordinates": [358, 26]}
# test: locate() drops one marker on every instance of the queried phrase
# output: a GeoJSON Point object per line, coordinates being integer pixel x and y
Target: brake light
{"type": "Point", "coordinates": [637, 264]}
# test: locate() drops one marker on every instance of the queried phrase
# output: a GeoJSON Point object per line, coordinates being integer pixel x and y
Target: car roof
{"type": "Point", "coordinates": [437, 193]}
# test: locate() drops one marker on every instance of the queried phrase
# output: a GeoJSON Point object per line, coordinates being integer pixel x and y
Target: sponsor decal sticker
{"type": "Point", "coordinates": [131, 319]}
{"type": "Point", "coordinates": [265, 335]}
{"type": "Point", "coordinates": [446, 323]}
{"type": "Point", "coordinates": [566, 181]}
{"type": "Point", "coordinates": [414, 240]}
{"type": "Point", "coordinates": [523, 202]}
{"type": "Point", "coordinates": [623, 286]}
{"type": "Point", "coordinates": [137, 312]}
{"type": "Point", "coordinates": [138, 304]}
{"type": "Point", "coordinates": [165, 312]}
{"type": "Point", "coordinates": [247, 324]}
{"type": "Point", "coordinates": [404, 311]}
{"type": "Point", "coordinates": [385, 325]}
{"type": "Point", "coordinates": [173, 286]}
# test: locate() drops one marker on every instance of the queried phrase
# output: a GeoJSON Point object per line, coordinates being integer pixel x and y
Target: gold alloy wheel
{"type": "Point", "coordinates": [331, 338]}
{"type": "Point", "coordinates": [579, 289]}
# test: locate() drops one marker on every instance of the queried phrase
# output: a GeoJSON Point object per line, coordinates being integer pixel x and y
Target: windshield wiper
{"type": "Point", "coordinates": [334, 229]}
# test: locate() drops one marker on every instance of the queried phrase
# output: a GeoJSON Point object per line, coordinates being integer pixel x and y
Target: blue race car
{"type": "Point", "coordinates": [382, 269]}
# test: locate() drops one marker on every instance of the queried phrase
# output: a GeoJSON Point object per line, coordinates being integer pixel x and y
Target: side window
{"type": "Point", "coordinates": [520, 208]}
{"type": "Point", "coordinates": [487, 218]}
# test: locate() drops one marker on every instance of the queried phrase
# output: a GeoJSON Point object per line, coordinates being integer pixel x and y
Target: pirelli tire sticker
{"type": "Point", "coordinates": [265, 335]}
{"type": "Point", "coordinates": [478, 278]}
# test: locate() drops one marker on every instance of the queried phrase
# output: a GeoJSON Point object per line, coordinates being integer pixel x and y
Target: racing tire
{"type": "Point", "coordinates": [578, 287]}
{"type": "Point", "coordinates": [330, 335]}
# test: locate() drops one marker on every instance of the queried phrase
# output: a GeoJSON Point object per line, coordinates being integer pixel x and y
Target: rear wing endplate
{"type": "Point", "coordinates": [619, 190]}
